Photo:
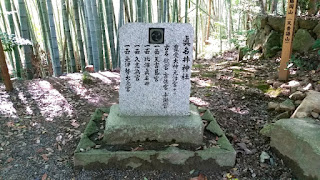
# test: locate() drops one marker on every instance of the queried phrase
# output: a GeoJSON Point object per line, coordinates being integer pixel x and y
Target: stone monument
{"type": "Point", "coordinates": [156, 61]}
{"type": "Point", "coordinates": [154, 109]}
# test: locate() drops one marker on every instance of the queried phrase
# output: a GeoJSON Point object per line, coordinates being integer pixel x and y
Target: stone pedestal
{"type": "Point", "coordinates": [125, 129]}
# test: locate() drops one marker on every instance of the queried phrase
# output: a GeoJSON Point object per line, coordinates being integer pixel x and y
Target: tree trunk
{"type": "Point", "coordinates": [209, 21]}
{"type": "Point", "coordinates": [262, 7]}
{"type": "Point", "coordinates": [55, 50]}
{"type": "Point", "coordinates": [26, 35]}
{"type": "Point", "coordinates": [230, 20]}
{"type": "Point", "coordinates": [274, 6]}
{"type": "Point", "coordinates": [4, 70]}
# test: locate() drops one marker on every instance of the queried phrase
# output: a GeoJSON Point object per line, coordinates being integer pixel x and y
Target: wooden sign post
{"type": "Point", "coordinates": [4, 70]}
{"type": "Point", "coordinates": [287, 39]}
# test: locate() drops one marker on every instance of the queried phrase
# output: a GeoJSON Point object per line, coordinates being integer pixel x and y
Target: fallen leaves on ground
{"type": "Point", "coordinates": [45, 157]}
{"type": "Point", "coordinates": [44, 177]}
{"type": "Point", "coordinates": [200, 177]}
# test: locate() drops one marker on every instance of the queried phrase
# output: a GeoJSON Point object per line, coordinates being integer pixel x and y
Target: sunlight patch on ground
{"type": "Point", "coordinates": [203, 83]}
{"type": "Point", "coordinates": [51, 104]}
{"type": "Point", "coordinates": [239, 110]}
{"type": "Point", "coordinates": [101, 77]}
{"type": "Point", "coordinates": [6, 106]}
{"type": "Point", "coordinates": [25, 102]}
{"type": "Point", "coordinates": [76, 85]}
{"type": "Point", "coordinates": [198, 101]}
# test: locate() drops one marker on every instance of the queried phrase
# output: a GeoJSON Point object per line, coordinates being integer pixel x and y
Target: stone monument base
{"type": "Point", "coordinates": [125, 129]}
{"type": "Point", "coordinates": [92, 153]}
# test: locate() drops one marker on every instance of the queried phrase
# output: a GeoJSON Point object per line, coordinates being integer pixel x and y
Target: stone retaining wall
{"type": "Point", "coordinates": [269, 30]}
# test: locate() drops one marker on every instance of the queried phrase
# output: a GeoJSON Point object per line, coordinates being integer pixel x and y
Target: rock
{"type": "Point", "coordinates": [267, 29]}
{"type": "Point", "coordinates": [297, 95]}
{"type": "Point", "coordinates": [297, 102]}
{"type": "Point", "coordinates": [259, 40]}
{"type": "Point", "coordinates": [305, 88]}
{"type": "Point", "coordinates": [283, 115]}
{"type": "Point", "coordinates": [273, 105]}
{"type": "Point", "coordinates": [291, 84]}
{"type": "Point", "coordinates": [89, 68]}
{"type": "Point", "coordinates": [277, 23]}
{"type": "Point", "coordinates": [308, 24]}
{"type": "Point", "coordinates": [314, 115]}
{"type": "Point", "coordinates": [309, 104]}
{"type": "Point", "coordinates": [269, 48]}
{"type": "Point", "coordinates": [302, 41]}
{"type": "Point", "coordinates": [250, 40]}
{"type": "Point", "coordinates": [260, 21]}
{"type": "Point", "coordinates": [285, 92]}
{"type": "Point", "coordinates": [277, 84]}
{"type": "Point", "coordinates": [287, 105]}
{"type": "Point", "coordinates": [317, 110]}
{"type": "Point", "coordinates": [264, 156]}
{"type": "Point", "coordinates": [293, 138]}
{"type": "Point", "coordinates": [317, 30]}
{"type": "Point", "coordinates": [317, 87]}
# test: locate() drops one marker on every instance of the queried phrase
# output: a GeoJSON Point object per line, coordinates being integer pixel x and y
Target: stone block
{"type": "Point", "coordinates": [156, 61]}
{"type": "Point", "coordinates": [215, 158]}
{"type": "Point", "coordinates": [124, 129]}
{"type": "Point", "coordinates": [298, 141]}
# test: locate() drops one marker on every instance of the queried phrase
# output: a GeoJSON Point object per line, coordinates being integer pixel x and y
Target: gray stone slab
{"type": "Point", "coordinates": [155, 69]}
{"type": "Point", "coordinates": [298, 140]}
{"type": "Point", "coordinates": [182, 129]}
{"type": "Point", "coordinates": [214, 158]}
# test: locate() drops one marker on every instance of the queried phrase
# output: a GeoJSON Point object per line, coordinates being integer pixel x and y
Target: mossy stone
{"type": "Point", "coordinates": [91, 128]}
{"type": "Point", "coordinates": [302, 41]}
{"type": "Point", "coordinates": [271, 45]}
{"type": "Point", "coordinates": [207, 116]}
{"type": "Point", "coordinates": [214, 128]}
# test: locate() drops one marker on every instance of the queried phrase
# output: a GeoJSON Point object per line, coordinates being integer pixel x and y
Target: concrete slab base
{"type": "Point", "coordinates": [89, 156]}
{"type": "Point", "coordinates": [298, 142]}
{"type": "Point", "coordinates": [125, 129]}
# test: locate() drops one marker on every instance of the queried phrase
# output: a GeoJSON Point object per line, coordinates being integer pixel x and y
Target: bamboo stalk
{"type": "Point", "coordinates": [165, 11]}
{"type": "Point", "coordinates": [16, 53]}
{"type": "Point", "coordinates": [209, 21]}
{"type": "Point", "coordinates": [197, 21]}
{"type": "Point", "coordinates": [149, 11]}
{"type": "Point", "coordinates": [67, 33]}
{"type": "Point", "coordinates": [26, 35]}
{"type": "Point", "coordinates": [111, 33]}
{"type": "Point", "coordinates": [78, 34]}
{"type": "Point", "coordinates": [87, 34]}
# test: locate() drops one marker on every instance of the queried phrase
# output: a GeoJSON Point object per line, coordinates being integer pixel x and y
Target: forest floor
{"type": "Point", "coordinates": [41, 121]}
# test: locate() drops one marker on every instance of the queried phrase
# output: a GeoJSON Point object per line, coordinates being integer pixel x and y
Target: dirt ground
{"type": "Point", "coordinates": [41, 121]}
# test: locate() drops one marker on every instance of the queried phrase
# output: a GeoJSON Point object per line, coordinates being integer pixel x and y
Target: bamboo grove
{"type": "Point", "coordinates": [51, 37]}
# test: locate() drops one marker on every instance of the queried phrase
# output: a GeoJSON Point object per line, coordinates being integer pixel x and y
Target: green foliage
{"type": "Point", "coordinates": [248, 51]}
{"type": "Point", "coordinates": [9, 41]}
{"type": "Point", "coordinates": [86, 78]}
{"type": "Point", "coordinates": [303, 63]}
{"type": "Point", "coordinates": [316, 45]}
